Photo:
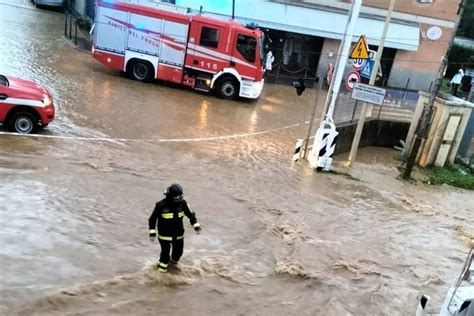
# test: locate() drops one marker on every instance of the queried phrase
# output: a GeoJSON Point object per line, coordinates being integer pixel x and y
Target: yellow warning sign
{"type": "Point", "coordinates": [360, 50]}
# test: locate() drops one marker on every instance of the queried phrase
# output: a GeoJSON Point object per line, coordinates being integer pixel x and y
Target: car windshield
{"type": "Point", "coordinates": [3, 81]}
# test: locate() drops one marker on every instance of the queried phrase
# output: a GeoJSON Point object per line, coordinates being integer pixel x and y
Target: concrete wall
{"type": "Point", "coordinates": [328, 55]}
{"type": "Point", "coordinates": [444, 107]}
{"type": "Point", "coordinates": [467, 138]}
{"type": "Point", "coordinates": [421, 66]}
{"type": "Point", "coordinates": [376, 133]}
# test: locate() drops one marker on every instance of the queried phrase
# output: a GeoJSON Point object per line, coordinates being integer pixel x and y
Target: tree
{"type": "Point", "coordinates": [466, 28]}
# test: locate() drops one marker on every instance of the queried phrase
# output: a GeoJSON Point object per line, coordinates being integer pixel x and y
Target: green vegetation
{"type": "Point", "coordinates": [458, 176]}
{"type": "Point", "coordinates": [466, 28]}
{"type": "Point", "coordinates": [445, 85]}
{"type": "Point", "coordinates": [459, 56]}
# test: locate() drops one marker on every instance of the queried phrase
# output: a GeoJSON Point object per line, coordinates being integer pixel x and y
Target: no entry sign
{"type": "Point", "coordinates": [352, 78]}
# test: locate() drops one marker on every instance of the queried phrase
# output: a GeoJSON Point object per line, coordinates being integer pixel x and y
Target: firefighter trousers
{"type": "Point", "coordinates": [176, 247]}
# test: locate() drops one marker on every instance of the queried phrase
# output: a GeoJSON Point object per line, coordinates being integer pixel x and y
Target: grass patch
{"type": "Point", "coordinates": [444, 86]}
{"type": "Point", "coordinates": [398, 156]}
{"type": "Point", "coordinates": [457, 176]}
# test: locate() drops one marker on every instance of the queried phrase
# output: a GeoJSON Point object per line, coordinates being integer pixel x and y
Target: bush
{"type": "Point", "coordinates": [456, 176]}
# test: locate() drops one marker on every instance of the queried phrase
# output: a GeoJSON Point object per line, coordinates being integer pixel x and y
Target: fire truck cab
{"type": "Point", "coordinates": [198, 51]}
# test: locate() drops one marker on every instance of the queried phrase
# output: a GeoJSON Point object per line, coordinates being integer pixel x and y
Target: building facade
{"type": "Point", "coordinates": [307, 33]}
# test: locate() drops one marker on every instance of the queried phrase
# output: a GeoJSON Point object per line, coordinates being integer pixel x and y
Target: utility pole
{"type": "Point", "coordinates": [423, 125]}
{"type": "Point", "coordinates": [313, 114]}
{"type": "Point", "coordinates": [373, 77]}
{"type": "Point", "coordinates": [233, 9]}
{"type": "Point", "coordinates": [324, 138]}
{"type": "Point", "coordinates": [341, 64]}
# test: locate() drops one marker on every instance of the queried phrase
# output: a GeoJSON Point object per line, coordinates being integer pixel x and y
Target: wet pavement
{"type": "Point", "coordinates": [277, 237]}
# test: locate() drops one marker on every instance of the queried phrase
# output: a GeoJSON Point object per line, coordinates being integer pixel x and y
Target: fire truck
{"type": "Point", "coordinates": [201, 52]}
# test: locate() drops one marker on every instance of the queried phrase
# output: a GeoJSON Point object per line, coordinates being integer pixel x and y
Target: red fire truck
{"type": "Point", "coordinates": [201, 52]}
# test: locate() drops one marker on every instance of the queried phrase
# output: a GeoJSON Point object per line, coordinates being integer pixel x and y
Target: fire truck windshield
{"type": "Point", "coordinates": [247, 47]}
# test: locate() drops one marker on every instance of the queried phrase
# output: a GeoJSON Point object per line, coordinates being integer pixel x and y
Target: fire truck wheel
{"type": "Point", "coordinates": [229, 89]}
{"type": "Point", "coordinates": [23, 123]}
{"type": "Point", "coordinates": [140, 70]}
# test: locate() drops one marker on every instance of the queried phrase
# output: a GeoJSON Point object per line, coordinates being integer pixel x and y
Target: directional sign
{"type": "Point", "coordinates": [368, 93]}
{"type": "Point", "coordinates": [361, 49]}
{"type": "Point", "coordinates": [352, 78]}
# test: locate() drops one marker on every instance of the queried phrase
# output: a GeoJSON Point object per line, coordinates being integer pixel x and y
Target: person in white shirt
{"type": "Point", "coordinates": [269, 60]}
{"type": "Point", "coordinates": [456, 81]}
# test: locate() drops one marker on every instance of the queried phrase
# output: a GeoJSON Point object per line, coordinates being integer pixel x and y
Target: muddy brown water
{"type": "Point", "coordinates": [277, 238]}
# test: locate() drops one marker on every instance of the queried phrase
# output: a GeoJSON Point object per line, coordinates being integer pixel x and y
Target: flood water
{"type": "Point", "coordinates": [278, 238]}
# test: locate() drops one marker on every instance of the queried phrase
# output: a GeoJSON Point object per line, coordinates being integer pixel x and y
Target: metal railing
{"type": "Point", "coordinates": [70, 22]}
{"type": "Point", "coordinates": [399, 105]}
{"type": "Point", "coordinates": [77, 33]}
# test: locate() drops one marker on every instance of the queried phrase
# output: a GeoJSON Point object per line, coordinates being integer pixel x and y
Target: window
{"type": "Point", "coordinates": [209, 37]}
{"type": "Point", "coordinates": [247, 46]}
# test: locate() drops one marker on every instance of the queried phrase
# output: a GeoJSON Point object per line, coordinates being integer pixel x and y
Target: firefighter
{"type": "Point", "coordinates": [168, 217]}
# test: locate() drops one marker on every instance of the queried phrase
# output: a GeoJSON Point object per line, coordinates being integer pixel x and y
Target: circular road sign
{"type": "Point", "coordinates": [352, 78]}
{"type": "Point", "coordinates": [358, 63]}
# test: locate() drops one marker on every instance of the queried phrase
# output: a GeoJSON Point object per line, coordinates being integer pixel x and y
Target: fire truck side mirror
{"type": "Point", "coordinates": [299, 86]}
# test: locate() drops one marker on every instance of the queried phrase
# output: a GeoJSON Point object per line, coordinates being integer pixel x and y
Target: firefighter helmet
{"type": "Point", "coordinates": [174, 192]}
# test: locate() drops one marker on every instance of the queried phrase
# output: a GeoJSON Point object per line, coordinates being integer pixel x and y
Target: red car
{"type": "Point", "coordinates": [25, 106]}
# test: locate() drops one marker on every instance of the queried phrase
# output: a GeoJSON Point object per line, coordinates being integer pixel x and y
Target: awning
{"type": "Point", "coordinates": [310, 21]}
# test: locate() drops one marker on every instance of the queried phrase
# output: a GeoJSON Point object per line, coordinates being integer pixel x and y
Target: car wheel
{"type": "Point", "coordinates": [229, 89]}
{"type": "Point", "coordinates": [23, 123]}
{"type": "Point", "coordinates": [141, 70]}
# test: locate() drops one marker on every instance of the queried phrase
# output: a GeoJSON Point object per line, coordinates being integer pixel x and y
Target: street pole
{"type": "Point", "coordinates": [423, 125]}
{"type": "Point", "coordinates": [233, 9]}
{"type": "Point", "coordinates": [341, 65]}
{"type": "Point", "coordinates": [373, 77]}
{"type": "Point", "coordinates": [324, 138]}
{"type": "Point", "coordinates": [313, 114]}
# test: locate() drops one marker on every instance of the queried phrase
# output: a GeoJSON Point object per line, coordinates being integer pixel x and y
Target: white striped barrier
{"type": "Point", "coordinates": [298, 149]}
{"type": "Point", "coordinates": [324, 145]}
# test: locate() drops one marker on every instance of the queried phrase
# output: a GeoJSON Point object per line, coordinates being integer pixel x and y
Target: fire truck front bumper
{"type": "Point", "coordinates": [251, 89]}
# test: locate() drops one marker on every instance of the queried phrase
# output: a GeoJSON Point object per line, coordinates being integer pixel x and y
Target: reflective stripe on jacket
{"type": "Point", "coordinates": [168, 218]}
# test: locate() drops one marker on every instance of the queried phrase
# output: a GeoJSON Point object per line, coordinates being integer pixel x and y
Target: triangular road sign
{"type": "Point", "coordinates": [360, 50]}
